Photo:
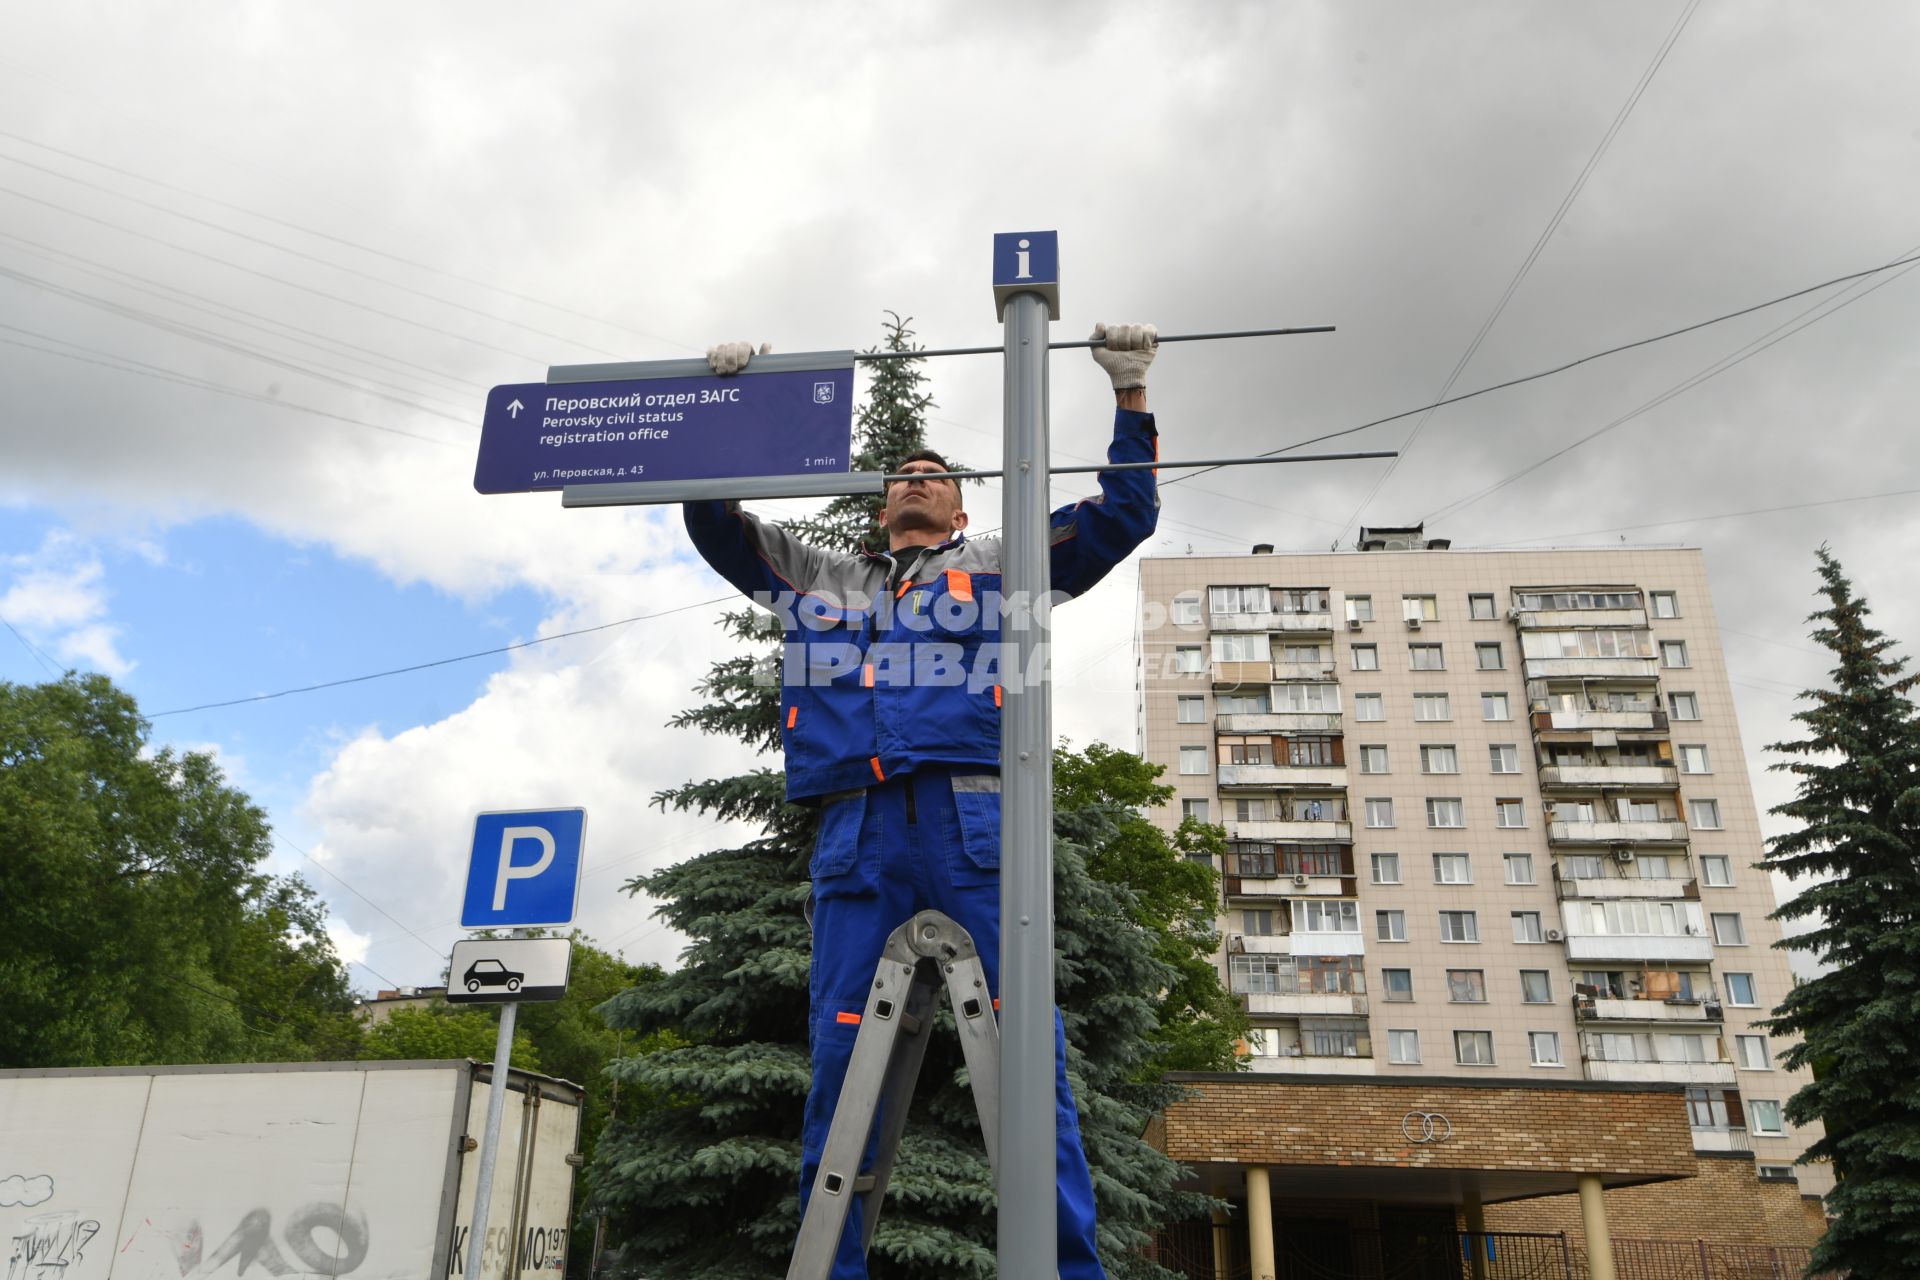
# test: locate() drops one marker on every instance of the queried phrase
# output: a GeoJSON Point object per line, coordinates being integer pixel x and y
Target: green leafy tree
{"type": "Point", "coordinates": [1857, 806]}
{"type": "Point", "coordinates": [446, 1031]}
{"type": "Point", "coordinates": [701, 1183]}
{"type": "Point", "coordinates": [136, 925]}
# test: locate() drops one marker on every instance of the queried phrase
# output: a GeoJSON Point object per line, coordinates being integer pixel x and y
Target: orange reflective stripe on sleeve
{"type": "Point", "coordinates": [848, 1019]}
{"type": "Point", "coordinates": [878, 772]}
{"type": "Point", "coordinates": [904, 588]}
{"type": "Point", "coordinates": [996, 696]}
{"type": "Point", "coordinates": [866, 675]}
{"type": "Point", "coordinates": [793, 715]}
{"type": "Point", "coordinates": [960, 584]}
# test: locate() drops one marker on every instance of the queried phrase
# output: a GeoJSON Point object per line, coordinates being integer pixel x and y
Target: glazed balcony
{"type": "Point", "coordinates": [1588, 831]}
{"type": "Point", "coordinates": [1576, 619]}
{"type": "Point", "coordinates": [1283, 722]}
{"type": "Point", "coordinates": [1302, 831]}
{"type": "Point", "coordinates": [1660, 776]}
{"type": "Point", "coordinates": [1281, 775]}
{"type": "Point", "coordinates": [1622, 886]}
{"type": "Point", "coordinates": [1591, 668]}
{"type": "Point", "coordinates": [1649, 719]}
{"type": "Point", "coordinates": [1293, 1004]}
{"type": "Point", "coordinates": [1608, 1009]}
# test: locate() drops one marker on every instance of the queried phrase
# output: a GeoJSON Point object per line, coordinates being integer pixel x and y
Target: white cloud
{"type": "Point", "coordinates": [58, 598]}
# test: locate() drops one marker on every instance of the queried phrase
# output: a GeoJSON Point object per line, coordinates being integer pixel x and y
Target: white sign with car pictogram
{"type": "Point", "coordinates": [508, 970]}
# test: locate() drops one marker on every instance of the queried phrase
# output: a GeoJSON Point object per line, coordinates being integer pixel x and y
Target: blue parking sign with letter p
{"type": "Point", "coordinates": [524, 869]}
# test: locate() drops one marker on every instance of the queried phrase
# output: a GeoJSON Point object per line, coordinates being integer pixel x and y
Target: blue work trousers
{"type": "Point", "coordinates": [927, 840]}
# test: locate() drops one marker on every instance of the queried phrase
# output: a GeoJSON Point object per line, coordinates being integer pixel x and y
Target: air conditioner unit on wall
{"type": "Point", "coordinates": [1353, 624]}
{"type": "Point", "coordinates": [1554, 935]}
{"type": "Point", "coordinates": [1413, 624]}
{"type": "Point", "coordinates": [1623, 854]}
{"type": "Point", "coordinates": [1300, 881]}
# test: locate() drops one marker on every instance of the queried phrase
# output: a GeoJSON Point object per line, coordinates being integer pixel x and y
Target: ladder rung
{"type": "Point", "coordinates": [863, 1184]}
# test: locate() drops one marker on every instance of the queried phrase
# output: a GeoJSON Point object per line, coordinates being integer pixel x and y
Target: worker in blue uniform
{"type": "Point", "coordinates": [891, 688]}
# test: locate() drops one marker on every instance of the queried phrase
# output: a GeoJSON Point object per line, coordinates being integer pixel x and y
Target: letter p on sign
{"type": "Point", "coordinates": [524, 869]}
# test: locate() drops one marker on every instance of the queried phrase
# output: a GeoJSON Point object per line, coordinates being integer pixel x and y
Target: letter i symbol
{"type": "Point", "coordinates": [1020, 260]}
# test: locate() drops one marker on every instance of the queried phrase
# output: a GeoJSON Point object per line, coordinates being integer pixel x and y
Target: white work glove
{"type": "Point", "coordinates": [1128, 352]}
{"type": "Point", "coordinates": [731, 357]}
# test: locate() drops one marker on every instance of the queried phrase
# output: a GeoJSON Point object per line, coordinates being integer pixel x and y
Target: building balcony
{"type": "Point", "coordinates": [1661, 1072]}
{"type": "Point", "coordinates": [1242, 675]}
{"type": "Point", "coordinates": [1259, 944]}
{"type": "Point", "coordinates": [1624, 887]}
{"type": "Point", "coordinates": [1302, 831]}
{"type": "Point", "coordinates": [1663, 776]}
{"type": "Point", "coordinates": [1285, 623]}
{"type": "Point", "coordinates": [1312, 1004]}
{"type": "Point", "coordinates": [1326, 944]}
{"type": "Point", "coordinates": [1287, 886]}
{"type": "Point", "coordinates": [1311, 1065]}
{"type": "Point", "coordinates": [1281, 775]}
{"type": "Point", "coordinates": [1730, 1138]}
{"type": "Point", "coordinates": [1607, 1009]}
{"type": "Point", "coordinates": [1644, 720]}
{"type": "Point", "coordinates": [1573, 619]}
{"type": "Point", "coordinates": [1278, 722]}
{"type": "Point", "coordinates": [1634, 948]}
{"type": "Point", "coordinates": [1663, 831]}
{"type": "Point", "coordinates": [1591, 668]}
{"type": "Point", "coordinates": [1303, 670]}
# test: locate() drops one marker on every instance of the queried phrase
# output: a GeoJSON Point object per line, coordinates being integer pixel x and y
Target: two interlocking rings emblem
{"type": "Point", "coordinates": [1425, 1126]}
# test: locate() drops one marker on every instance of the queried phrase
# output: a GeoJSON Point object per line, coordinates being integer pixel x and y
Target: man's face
{"type": "Point", "coordinates": [921, 508]}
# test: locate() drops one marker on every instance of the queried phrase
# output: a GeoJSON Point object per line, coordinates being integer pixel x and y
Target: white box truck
{"type": "Point", "coordinates": [360, 1169]}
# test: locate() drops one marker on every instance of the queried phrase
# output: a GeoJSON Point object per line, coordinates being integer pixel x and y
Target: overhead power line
{"type": "Point", "coordinates": [46, 664]}
{"type": "Point", "coordinates": [1533, 254]}
{"type": "Point", "coordinates": [1574, 364]}
{"type": "Point", "coordinates": [442, 662]}
{"type": "Point", "coordinates": [1723, 515]}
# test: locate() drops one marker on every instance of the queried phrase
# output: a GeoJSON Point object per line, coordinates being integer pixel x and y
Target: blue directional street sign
{"type": "Point", "coordinates": [524, 870]}
{"type": "Point", "coordinates": [1026, 262]}
{"type": "Point", "coordinates": [669, 420]}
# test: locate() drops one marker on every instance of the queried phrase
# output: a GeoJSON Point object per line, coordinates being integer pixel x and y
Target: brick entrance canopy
{"type": "Point", "coordinates": [1412, 1139]}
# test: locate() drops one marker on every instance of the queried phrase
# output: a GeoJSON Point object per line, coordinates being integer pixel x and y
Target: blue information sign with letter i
{"type": "Point", "coordinates": [524, 869]}
{"type": "Point", "coordinates": [1026, 262]}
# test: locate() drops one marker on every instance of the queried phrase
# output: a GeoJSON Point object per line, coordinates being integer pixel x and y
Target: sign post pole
{"type": "Point", "coordinates": [490, 1140]}
{"type": "Point", "coordinates": [1027, 1244]}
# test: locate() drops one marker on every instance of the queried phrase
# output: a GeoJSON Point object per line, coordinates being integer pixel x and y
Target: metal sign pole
{"type": "Point", "coordinates": [1027, 1246]}
{"type": "Point", "coordinates": [490, 1140]}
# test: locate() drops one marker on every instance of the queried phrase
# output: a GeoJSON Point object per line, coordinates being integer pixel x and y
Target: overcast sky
{"type": "Point", "coordinates": [259, 263]}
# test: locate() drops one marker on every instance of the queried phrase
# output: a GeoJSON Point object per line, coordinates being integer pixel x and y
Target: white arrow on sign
{"type": "Point", "coordinates": [513, 410]}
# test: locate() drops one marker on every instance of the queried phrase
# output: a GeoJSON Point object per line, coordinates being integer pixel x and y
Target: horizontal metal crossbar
{"type": "Point", "coordinates": [1000, 348]}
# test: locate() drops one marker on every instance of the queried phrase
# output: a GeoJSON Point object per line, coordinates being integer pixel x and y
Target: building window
{"type": "Point", "coordinates": [1330, 915]}
{"type": "Point", "coordinates": [1298, 695]}
{"type": "Point", "coordinates": [1473, 1048]}
{"type": "Point", "coordinates": [1459, 926]}
{"type": "Point", "coordinates": [1445, 812]}
{"type": "Point", "coordinates": [1717, 870]}
{"type": "Point", "coordinates": [1526, 927]}
{"type": "Point", "coordinates": [1370, 707]}
{"type": "Point", "coordinates": [1259, 923]}
{"type": "Point", "coordinates": [1683, 706]}
{"type": "Point", "coordinates": [1186, 610]}
{"type": "Point", "coordinates": [1431, 707]}
{"type": "Point", "coordinates": [1426, 657]}
{"type": "Point", "coordinates": [1494, 706]}
{"type": "Point", "coordinates": [1379, 812]}
{"type": "Point", "coordinates": [1693, 758]}
{"type": "Point", "coordinates": [1704, 814]}
{"type": "Point", "coordinates": [1301, 599]}
{"type": "Point", "coordinates": [1509, 813]}
{"type": "Point", "coordinates": [1425, 608]}
{"type": "Point", "coordinates": [1519, 867]}
{"type": "Point", "coordinates": [1243, 647]}
{"type": "Point", "coordinates": [1665, 604]}
{"type": "Point", "coordinates": [1452, 868]}
{"type": "Point", "coordinates": [1403, 1047]}
{"type": "Point", "coordinates": [1727, 929]}
{"type": "Point", "coordinates": [1373, 758]}
{"type": "Point", "coordinates": [1536, 986]}
{"type": "Point", "coordinates": [1673, 653]}
{"type": "Point", "coordinates": [1360, 608]}
{"type": "Point", "coordinates": [1189, 659]}
{"type": "Point", "coordinates": [1487, 656]}
{"type": "Point", "coordinates": [1195, 809]}
{"type": "Point", "coordinates": [1740, 990]}
{"type": "Point", "coordinates": [1193, 760]}
{"type": "Point", "coordinates": [1764, 1115]}
{"type": "Point", "coordinates": [1504, 757]}
{"type": "Point", "coordinates": [1480, 608]}
{"type": "Point", "coordinates": [1190, 709]}
{"type": "Point", "coordinates": [1250, 809]}
{"type": "Point", "coordinates": [1545, 1047]}
{"type": "Point", "coordinates": [1232, 600]}
{"type": "Point", "coordinates": [1366, 657]}
{"type": "Point", "coordinates": [1439, 759]}
{"type": "Point", "coordinates": [1398, 984]}
{"type": "Point", "coordinates": [1752, 1053]}
{"type": "Point", "coordinates": [1386, 868]}
{"type": "Point", "coordinates": [1390, 926]}
{"type": "Point", "coordinates": [1467, 986]}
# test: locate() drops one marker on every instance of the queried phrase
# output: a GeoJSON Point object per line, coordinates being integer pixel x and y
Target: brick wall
{"type": "Point", "coordinates": [1723, 1204]}
{"type": "Point", "coordinates": [1497, 1125]}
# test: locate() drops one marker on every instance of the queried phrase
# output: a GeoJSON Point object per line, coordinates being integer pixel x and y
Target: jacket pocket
{"type": "Point", "coordinates": [835, 867]}
{"type": "Point", "coordinates": [977, 860]}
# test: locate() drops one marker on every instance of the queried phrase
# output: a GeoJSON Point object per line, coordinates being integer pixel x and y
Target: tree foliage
{"type": "Point", "coordinates": [136, 925]}
{"type": "Point", "coordinates": [701, 1183]}
{"type": "Point", "coordinates": [1857, 809]}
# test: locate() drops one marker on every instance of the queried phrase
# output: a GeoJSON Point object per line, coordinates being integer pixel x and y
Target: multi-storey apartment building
{"type": "Point", "coordinates": [1488, 816]}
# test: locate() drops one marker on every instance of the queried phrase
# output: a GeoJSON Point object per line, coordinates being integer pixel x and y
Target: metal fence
{"type": "Point", "coordinates": [1705, 1260]}
{"type": "Point", "coordinates": [1408, 1253]}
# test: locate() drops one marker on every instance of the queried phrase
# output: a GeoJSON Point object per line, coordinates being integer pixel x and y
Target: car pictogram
{"type": "Point", "coordinates": [491, 973]}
